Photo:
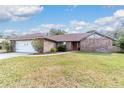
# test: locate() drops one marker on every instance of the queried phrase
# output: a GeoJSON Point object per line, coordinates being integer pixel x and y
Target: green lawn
{"type": "Point", "coordinates": [67, 70]}
{"type": "Point", "coordinates": [2, 50]}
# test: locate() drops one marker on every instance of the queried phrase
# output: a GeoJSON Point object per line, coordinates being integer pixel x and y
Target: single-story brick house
{"type": "Point", "coordinates": [91, 41]}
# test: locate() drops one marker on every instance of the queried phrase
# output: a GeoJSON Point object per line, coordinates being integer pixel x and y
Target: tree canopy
{"type": "Point", "coordinates": [120, 43]}
{"type": "Point", "coordinates": [118, 33]}
{"type": "Point", "coordinates": [57, 32]}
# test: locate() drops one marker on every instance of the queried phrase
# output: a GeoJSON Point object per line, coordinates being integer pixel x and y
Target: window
{"type": "Point", "coordinates": [64, 43]}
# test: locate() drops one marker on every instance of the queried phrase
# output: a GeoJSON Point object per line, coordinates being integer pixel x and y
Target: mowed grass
{"type": "Point", "coordinates": [2, 50]}
{"type": "Point", "coordinates": [66, 70]}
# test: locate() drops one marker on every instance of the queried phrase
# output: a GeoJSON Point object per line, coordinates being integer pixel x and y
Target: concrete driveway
{"type": "Point", "coordinates": [11, 55]}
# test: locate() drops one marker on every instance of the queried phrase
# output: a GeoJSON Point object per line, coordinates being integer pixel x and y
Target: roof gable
{"type": "Point", "coordinates": [94, 32]}
{"type": "Point", "coordinates": [76, 36]}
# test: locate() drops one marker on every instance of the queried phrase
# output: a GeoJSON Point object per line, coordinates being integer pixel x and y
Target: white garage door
{"type": "Point", "coordinates": [24, 46]}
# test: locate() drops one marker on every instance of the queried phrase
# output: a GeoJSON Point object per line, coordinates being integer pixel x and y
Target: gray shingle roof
{"type": "Point", "coordinates": [70, 37]}
{"type": "Point", "coordinates": [28, 36]}
{"type": "Point", "coordinates": [58, 38]}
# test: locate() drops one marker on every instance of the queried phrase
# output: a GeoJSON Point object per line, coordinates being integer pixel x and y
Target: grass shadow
{"type": "Point", "coordinates": [94, 53]}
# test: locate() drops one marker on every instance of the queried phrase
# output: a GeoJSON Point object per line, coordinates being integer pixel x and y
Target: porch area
{"type": "Point", "coordinates": [71, 46]}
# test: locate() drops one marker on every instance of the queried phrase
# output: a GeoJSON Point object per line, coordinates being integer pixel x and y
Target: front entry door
{"type": "Point", "coordinates": [75, 46]}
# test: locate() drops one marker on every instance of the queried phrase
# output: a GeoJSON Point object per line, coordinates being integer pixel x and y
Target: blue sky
{"type": "Point", "coordinates": [28, 19]}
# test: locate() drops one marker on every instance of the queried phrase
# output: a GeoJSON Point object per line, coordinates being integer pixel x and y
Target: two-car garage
{"type": "Point", "coordinates": [24, 46]}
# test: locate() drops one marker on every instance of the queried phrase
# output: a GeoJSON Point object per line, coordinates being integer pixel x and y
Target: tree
{"type": "Point", "coordinates": [38, 45]}
{"type": "Point", "coordinates": [56, 32]}
{"type": "Point", "coordinates": [120, 43]}
{"type": "Point", "coordinates": [7, 46]}
{"type": "Point", "coordinates": [118, 33]}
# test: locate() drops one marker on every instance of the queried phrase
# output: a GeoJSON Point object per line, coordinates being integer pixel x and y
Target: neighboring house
{"type": "Point", "coordinates": [92, 41]}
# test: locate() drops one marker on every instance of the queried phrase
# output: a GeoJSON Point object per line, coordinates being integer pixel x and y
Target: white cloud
{"type": "Point", "coordinates": [66, 29]}
{"type": "Point", "coordinates": [78, 23]}
{"type": "Point", "coordinates": [49, 26]}
{"type": "Point", "coordinates": [36, 29]}
{"type": "Point", "coordinates": [105, 20]}
{"type": "Point", "coordinates": [105, 24]}
{"type": "Point", "coordinates": [101, 24]}
{"type": "Point", "coordinates": [18, 12]}
{"type": "Point", "coordinates": [109, 29]}
{"type": "Point", "coordinates": [119, 13]}
{"type": "Point", "coordinates": [44, 28]}
{"type": "Point", "coordinates": [77, 26]}
{"type": "Point", "coordinates": [11, 32]}
{"type": "Point", "coordinates": [108, 23]}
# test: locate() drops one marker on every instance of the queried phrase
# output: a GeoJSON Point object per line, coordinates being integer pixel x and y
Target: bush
{"type": "Point", "coordinates": [120, 43]}
{"type": "Point", "coordinates": [61, 48]}
{"type": "Point", "coordinates": [53, 50]}
{"type": "Point", "coordinates": [38, 45]}
{"type": "Point", "coordinates": [0, 47]}
{"type": "Point", "coordinates": [7, 46]}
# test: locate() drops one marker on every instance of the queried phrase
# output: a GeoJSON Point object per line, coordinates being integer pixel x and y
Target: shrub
{"type": "Point", "coordinates": [0, 47]}
{"type": "Point", "coordinates": [38, 45]}
{"type": "Point", "coordinates": [53, 50]}
{"type": "Point", "coordinates": [61, 48]}
{"type": "Point", "coordinates": [120, 43]}
{"type": "Point", "coordinates": [7, 46]}
{"type": "Point", "coordinates": [115, 43]}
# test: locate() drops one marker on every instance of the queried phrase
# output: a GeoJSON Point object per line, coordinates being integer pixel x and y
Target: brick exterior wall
{"type": "Point", "coordinates": [13, 45]}
{"type": "Point", "coordinates": [48, 45]}
{"type": "Point", "coordinates": [96, 44]}
{"type": "Point", "coordinates": [68, 46]}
